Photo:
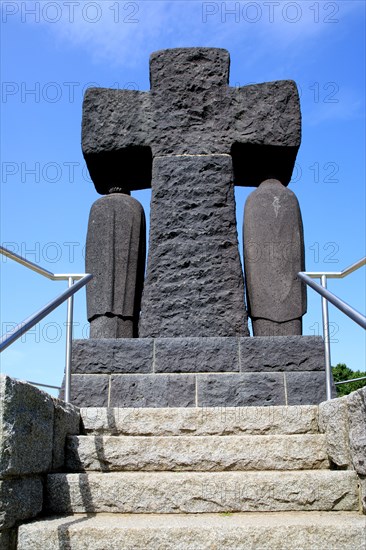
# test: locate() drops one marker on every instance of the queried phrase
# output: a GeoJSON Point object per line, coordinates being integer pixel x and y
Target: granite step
{"type": "Point", "coordinates": [200, 421]}
{"type": "Point", "coordinates": [200, 453]}
{"type": "Point", "coordinates": [245, 531]}
{"type": "Point", "coordinates": [201, 492]}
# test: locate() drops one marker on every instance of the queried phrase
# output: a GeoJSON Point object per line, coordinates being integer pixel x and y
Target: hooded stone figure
{"type": "Point", "coordinates": [273, 255]}
{"type": "Point", "coordinates": [115, 255]}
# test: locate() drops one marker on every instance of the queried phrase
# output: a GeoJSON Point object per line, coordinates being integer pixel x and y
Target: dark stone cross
{"type": "Point", "coordinates": [192, 138]}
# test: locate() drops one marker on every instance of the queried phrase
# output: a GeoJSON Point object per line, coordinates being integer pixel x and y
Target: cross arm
{"type": "Point", "coordinates": [266, 122]}
{"type": "Point", "coordinates": [114, 138]}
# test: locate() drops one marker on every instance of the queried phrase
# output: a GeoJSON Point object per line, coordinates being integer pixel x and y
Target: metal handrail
{"type": "Point", "coordinates": [337, 274]}
{"type": "Point", "coordinates": [10, 337]}
{"type": "Point", "coordinates": [38, 269]}
{"type": "Point", "coordinates": [42, 385]}
{"type": "Point", "coordinates": [307, 277]}
{"type": "Point", "coordinates": [350, 311]}
{"type": "Point", "coordinates": [351, 380]}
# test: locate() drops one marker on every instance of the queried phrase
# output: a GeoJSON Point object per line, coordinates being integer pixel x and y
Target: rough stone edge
{"type": "Point", "coordinates": [66, 420]}
{"type": "Point", "coordinates": [8, 539]}
{"type": "Point", "coordinates": [343, 421]}
{"type": "Point", "coordinates": [21, 499]}
{"type": "Point", "coordinates": [26, 421]}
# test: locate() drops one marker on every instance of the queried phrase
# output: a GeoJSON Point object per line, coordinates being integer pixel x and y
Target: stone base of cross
{"type": "Point", "coordinates": [191, 138]}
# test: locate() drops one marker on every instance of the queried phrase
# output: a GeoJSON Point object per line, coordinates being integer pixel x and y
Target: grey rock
{"type": "Point", "coordinates": [89, 390]}
{"type": "Point", "coordinates": [26, 423]}
{"type": "Point", "coordinates": [200, 421]}
{"type": "Point", "coordinates": [172, 390]}
{"type": "Point", "coordinates": [8, 539]}
{"type": "Point", "coordinates": [196, 355]}
{"type": "Point", "coordinates": [333, 421]}
{"type": "Point", "coordinates": [270, 531]}
{"type": "Point", "coordinates": [197, 493]}
{"type": "Point", "coordinates": [21, 499]}
{"type": "Point", "coordinates": [356, 404]}
{"type": "Point", "coordinates": [239, 390]}
{"type": "Point", "coordinates": [273, 255]}
{"type": "Point", "coordinates": [115, 140]}
{"type": "Point", "coordinates": [106, 356]}
{"type": "Point", "coordinates": [214, 453]}
{"type": "Point", "coordinates": [305, 388]}
{"type": "Point", "coordinates": [66, 422]}
{"type": "Point", "coordinates": [115, 256]}
{"type": "Point", "coordinates": [239, 532]}
{"type": "Point", "coordinates": [362, 482]}
{"type": "Point", "coordinates": [191, 110]}
{"type": "Point", "coordinates": [178, 139]}
{"type": "Point", "coordinates": [282, 353]}
{"type": "Point", "coordinates": [193, 251]}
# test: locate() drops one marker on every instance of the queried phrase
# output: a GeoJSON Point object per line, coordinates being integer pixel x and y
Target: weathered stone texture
{"type": "Point", "coordinates": [20, 498]}
{"type": "Point", "coordinates": [196, 493]}
{"type": "Point", "coordinates": [200, 421]}
{"type": "Point", "coordinates": [271, 531]}
{"type": "Point", "coordinates": [282, 353]}
{"type": "Point", "coordinates": [356, 404]}
{"type": "Point", "coordinates": [305, 388]}
{"type": "Point", "coordinates": [343, 420]}
{"type": "Point", "coordinates": [178, 139]}
{"type": "Point", "coordinates": [190, 110]}
{"type": "Point", "coordinates": [333, 421]}
{"type": "Point", "coordinates": [90, 390]}
{"type": "Point", "coordinates": [115, 255]}
{"type": "Point", "coordinates": [196, 355]}
{"type": "Point", "coordinates": [8, 539]}
{"type": "Point", "coordinates": [66, 422]}
{"type": "Point", "coordinates": [153, 391]}
{"type": "Point", "coordinates": [362, 482]}
{"type": "Point", "coordinates": [273, 255]}
{"type": "Point", "coordinates": [26, 424]}
{"type": "Point", "coordinates": [274, 452]}
{"type": "Point", "coordinates": [239, 390]}
{"type": "Point", "coordinates": [107, 356]}
{"type": "Point", "coordinates": [194, 283]}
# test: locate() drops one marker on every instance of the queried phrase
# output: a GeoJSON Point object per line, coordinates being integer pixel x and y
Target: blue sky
{"type": "Point", "coordinates": [52, 51]}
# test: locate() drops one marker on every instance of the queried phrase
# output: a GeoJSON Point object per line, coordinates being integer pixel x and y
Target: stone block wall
{"type": "Point", "coordinates": [343, 421]}
{"type": "Point", "coordinates": [33, 429]}
{"type": "Point", "coordinates": [198, 372]}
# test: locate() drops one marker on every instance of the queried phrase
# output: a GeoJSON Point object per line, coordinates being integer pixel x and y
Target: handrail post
{"type": "Point", "coordinates": [69, 322]}
{"type": "Point", "coordinates": [326, 335]}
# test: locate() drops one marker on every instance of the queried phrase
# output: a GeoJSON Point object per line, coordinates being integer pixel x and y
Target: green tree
{"type": "Point", "coordinates": [342, 372]}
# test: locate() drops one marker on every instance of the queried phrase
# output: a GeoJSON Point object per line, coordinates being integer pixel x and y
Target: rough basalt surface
{"type": "Point", "coordinates": [191, 110]}
{"type": "Point", "coordinates": [194, 283]}
{"type": "Point", "coordinates": [170, 390]}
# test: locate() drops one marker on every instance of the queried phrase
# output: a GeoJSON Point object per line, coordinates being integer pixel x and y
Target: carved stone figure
{"type": "Point", "coordinates": [273, 255]}
{"type": "Point", "coordinates": [115, 255]}
{"type": "Point", "coordinates": [191, 138]}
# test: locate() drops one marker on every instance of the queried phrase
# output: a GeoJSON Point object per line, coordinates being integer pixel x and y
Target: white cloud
{"type": "Point", "coordinates": [124, 33]}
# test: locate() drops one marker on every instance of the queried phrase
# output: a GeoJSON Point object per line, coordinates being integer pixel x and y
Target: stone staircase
{"type": "Point", "coordinates": [199, 478]}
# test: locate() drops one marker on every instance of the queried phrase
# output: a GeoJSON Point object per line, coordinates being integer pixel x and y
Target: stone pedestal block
{"type": "Point", "coordinates": [198, 372]}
